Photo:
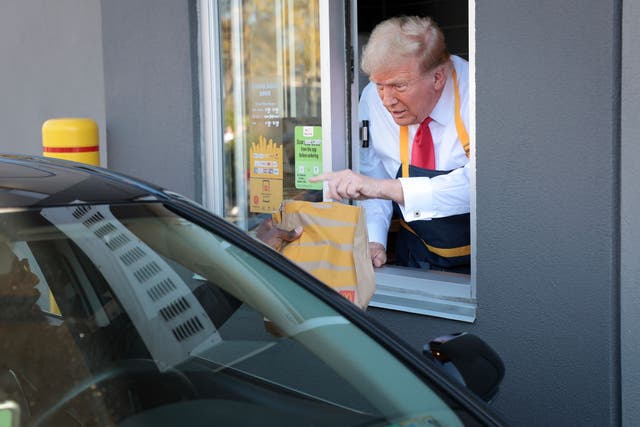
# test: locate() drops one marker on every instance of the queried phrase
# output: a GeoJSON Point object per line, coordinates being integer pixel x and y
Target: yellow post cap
{"type": "Point", "coordinates": [73, 139]}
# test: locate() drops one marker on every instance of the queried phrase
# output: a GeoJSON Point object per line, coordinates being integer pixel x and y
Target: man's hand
{"type": "Point", "coordinates": [274, 236]}
{"type": "Point", "coordinates": [378, 254]}
{"type": "Point", "coordinates": [347, 184]}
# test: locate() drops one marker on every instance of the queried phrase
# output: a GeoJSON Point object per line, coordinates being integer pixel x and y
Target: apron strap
{"type": "Point", "coordinates": [443, 252]}
{"type": "Point", "coordinates": [463, 136]}
{"type": "Point", "coordinates": [404, 150]}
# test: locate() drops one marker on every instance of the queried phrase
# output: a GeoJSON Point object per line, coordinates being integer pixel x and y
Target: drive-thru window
{"type": "Point", "coordinates": [279, 90]}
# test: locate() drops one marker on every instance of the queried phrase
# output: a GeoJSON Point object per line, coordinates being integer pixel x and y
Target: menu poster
{"type": "Point", "coordinates": [265, 176]}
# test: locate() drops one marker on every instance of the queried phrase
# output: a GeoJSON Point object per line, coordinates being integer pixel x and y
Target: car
{"type": "Point", "coordinates": [122, 303]}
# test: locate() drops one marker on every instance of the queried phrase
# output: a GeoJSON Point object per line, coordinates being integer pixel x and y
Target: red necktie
{"type": "Point", "coordinates": [422, 153]}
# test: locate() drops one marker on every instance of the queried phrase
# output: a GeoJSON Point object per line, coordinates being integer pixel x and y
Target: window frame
{"type": "Point", "coordinates": [448, 296]}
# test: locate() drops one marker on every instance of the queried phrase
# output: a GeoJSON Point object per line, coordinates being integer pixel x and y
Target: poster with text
{"type": "Point", "coordinates": [308, 156]}
{"type": "Point", "coordinates": [265, 176]}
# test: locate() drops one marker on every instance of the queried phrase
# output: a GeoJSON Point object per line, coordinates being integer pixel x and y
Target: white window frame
{"type": "Point", "coordinates": [446, 295]}
{"type": "Point", "coordinates": [211, 121]}
{"type": "Point", "coordinates": [333, 86]}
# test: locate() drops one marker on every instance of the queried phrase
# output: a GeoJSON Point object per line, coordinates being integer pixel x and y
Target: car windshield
{"type": "Point", "coordinates": [130, 314]}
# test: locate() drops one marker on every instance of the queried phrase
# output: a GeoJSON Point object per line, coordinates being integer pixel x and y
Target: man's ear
{"type": "Point", "coordinates": [439, 78]}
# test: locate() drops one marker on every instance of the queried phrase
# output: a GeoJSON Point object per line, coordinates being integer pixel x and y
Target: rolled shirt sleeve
{"type": "Point", "coordinates": [443, 195]}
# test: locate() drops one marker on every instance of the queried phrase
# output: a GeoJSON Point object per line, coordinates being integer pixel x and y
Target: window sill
{"type": "Point", "coordinates": [432, 293]}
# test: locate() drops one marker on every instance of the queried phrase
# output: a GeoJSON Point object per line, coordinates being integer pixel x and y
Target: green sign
{"type": "Point", "coordinates": [308, 156]}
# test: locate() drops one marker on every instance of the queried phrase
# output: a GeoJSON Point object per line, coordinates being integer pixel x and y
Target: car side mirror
{"type": "Point", "coordinates": [470, 360]}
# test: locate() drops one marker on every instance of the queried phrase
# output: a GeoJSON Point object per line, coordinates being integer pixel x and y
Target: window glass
{"type": "Point", "coordinates": [160, 320]}
{"type": "Point", "coordinates": [271, 96]}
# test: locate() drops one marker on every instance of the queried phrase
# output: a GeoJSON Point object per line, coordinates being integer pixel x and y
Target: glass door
{"type": "Point", "coordinates": [262, 59]}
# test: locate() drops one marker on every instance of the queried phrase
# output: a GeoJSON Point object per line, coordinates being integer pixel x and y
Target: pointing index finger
{"type": "Point", "coordinates": [321, 177]}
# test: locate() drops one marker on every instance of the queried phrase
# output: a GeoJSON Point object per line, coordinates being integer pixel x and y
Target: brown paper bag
{"type": "Point", "coordinates": [334, 246]}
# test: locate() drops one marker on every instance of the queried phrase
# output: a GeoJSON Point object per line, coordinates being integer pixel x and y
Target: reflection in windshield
{"type": "Point", "coordinates": [168, 317]}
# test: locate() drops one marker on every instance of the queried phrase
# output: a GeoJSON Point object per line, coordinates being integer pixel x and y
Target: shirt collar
{"type": "Point", "coordinates": [443, 111]}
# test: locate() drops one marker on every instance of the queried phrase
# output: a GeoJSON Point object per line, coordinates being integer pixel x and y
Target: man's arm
{"type": "Point", "coordinates": [347, 184]}
{"type": "Point", "coordinates": [437, 197]}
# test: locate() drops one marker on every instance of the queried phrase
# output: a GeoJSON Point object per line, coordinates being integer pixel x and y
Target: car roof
{"type": "Point", "coordinates": [35, 181]}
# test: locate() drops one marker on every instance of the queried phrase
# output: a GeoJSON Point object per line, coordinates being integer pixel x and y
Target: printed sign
{"type": "Point", "coordinates": [266, 102]}
{"type": "Point", "coordinates": [265, 176]}
{"type": "Point", "coordinates": [308, 156]}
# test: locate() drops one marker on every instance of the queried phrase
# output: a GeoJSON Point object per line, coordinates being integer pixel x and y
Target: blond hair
{"type": "Point", "coordinates": [397, 39]}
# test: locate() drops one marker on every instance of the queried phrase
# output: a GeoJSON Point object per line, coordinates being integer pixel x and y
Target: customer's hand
{"type": "Point", "coordinates": [274, 236]}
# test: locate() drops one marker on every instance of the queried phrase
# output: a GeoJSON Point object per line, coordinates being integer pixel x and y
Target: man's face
{"type": "Point", "coordinates": [408, 94]}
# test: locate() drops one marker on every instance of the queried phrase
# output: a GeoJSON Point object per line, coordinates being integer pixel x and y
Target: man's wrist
{"type": "Point", "coordinates": [391, 189]}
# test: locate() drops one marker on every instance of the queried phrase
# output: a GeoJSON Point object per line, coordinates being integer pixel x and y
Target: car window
{"type": "Point", "coordinates": [130, 314]}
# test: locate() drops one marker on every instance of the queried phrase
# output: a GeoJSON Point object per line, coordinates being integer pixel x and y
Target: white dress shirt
{"type": "Point", "coordinates": [424, 198]}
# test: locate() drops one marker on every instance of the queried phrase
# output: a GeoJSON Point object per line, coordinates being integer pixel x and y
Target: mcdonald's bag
{"type": "Point", "coordinates": [334, 246]}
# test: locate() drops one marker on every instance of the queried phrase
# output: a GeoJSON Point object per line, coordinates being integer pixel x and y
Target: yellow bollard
{"type": "Point", "coordinates": [73, 139]}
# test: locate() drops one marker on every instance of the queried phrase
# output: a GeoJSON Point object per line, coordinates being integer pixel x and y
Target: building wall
{"type": "Point", "coordinates": [51, 67]}
{"type": "Point", "coordinates": [548, 206]}
{"type": "Point", "coordinates": [151, 91]}
{"type": "Point", "coordinates": [55, 63]}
